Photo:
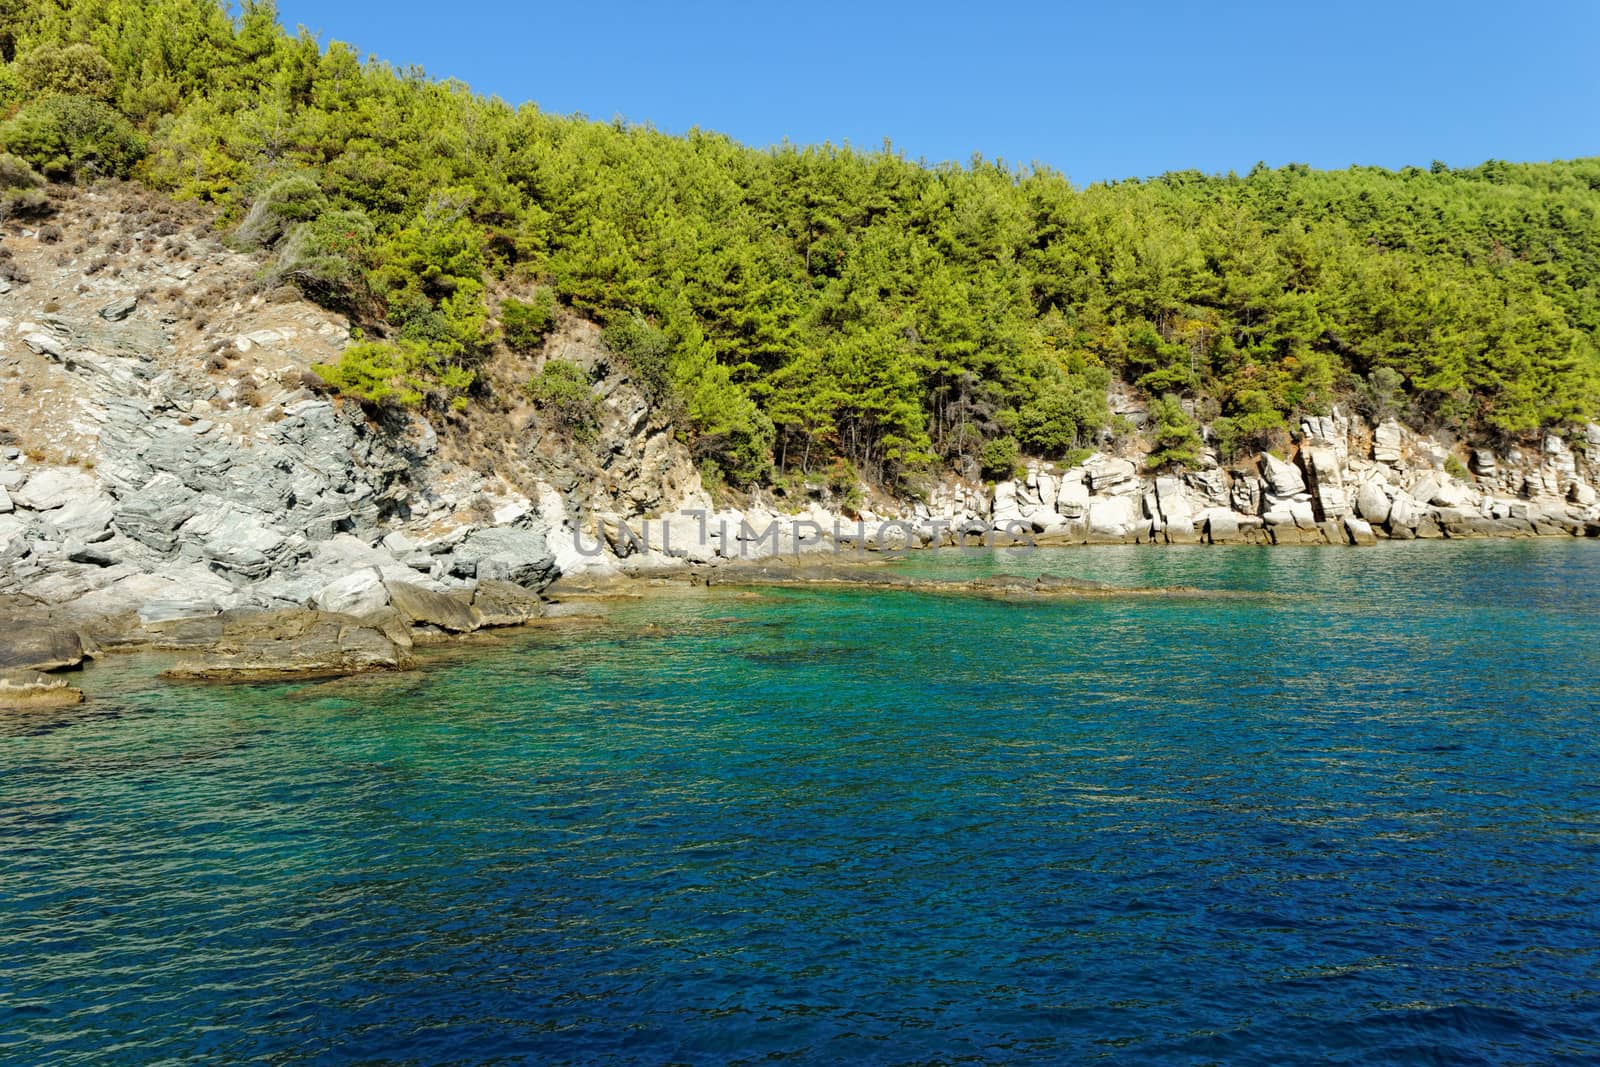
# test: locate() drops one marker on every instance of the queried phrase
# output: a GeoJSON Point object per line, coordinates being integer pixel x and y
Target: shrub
{"type": "Point", "coordinates": [561, 392]}
{"type": "Point", "coordinates": [74, 69]}
{"type": "Point", "coordinates": [526, 324]}
{"type": "Point", "coordinates": [1001, 458]}
{"type": "Point", "coordinates": [287, 201]}
{"type": "Point", "coordinates": [379, 373]}
{"type": "Point", "coordinates": [326, 258]}
{"type": "Point", "coordinates": [1177, 441]}
{"type": "Point", "coordinates": [21, 188]}
{"type": "Point", "coordinates": [647, 350]}
{"type": "Point", "coordinates": [68, 136]}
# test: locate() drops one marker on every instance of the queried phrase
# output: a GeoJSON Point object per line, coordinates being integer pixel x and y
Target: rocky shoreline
{"type": "Point", "coordinates": [174, 476]}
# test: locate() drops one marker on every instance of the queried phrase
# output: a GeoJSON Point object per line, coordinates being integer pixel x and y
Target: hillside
{"type": "Point", "coordinates": [821, 314]}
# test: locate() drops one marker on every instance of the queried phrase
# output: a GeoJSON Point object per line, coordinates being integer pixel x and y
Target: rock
{"type": "Point", "coordinates": [295, 644]}
{"type": "Point", "coordinates": [85, 519]}
{"type": "Point", "coordinates": [1283, 479]}
{"type": "Point", "coordinates": [1112, 517]}
{"type": "Point", "coordinates": [44, 345]}
{"type": "Point", "coordinates": [27, 646]}
{"type": "Point", "coordinates": [362, 593]}
{"type": "Point", "coordinates": [1222, 527]}
{"type": "Point", "coordinates": [1326, 479]}
{"type": "Point", "coordinates": [508, 554]}
{"type": "Point", "coordinates": [1404, 512]}
{"type": "Point", "coordinates": [55, 488]}
{"type": "Point", "coordinates": [1372, 503]}
{"type": "Point", "coordinates": [38, 692]}
{"type": "Point", "coordinates": [449, 611]}
{"type": "Point", "coordinates": [1484, 462]}
{"type": "Point", "coordinates": [505, 604]}
{"type": "Point", "coordinates": [120, 309]}
{"type": "Point", "coordinates": [1359, 531]}
{"type": "Point", "coordinates": [175, 609]}
{"type": "Point", "coordinates": [6, 507]}
{"type": "Point", "coordinates": [1386, 442]}
{"type": "Point", "coordinates": [89, 555]}
{"type": "Point", "coordinates": [1109, 472]}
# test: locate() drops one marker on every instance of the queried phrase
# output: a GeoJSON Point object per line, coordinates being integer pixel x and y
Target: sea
{"type": "Point", "coordinates": [1350, 815]}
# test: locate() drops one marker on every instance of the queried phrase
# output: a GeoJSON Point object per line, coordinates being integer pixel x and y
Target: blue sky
{"type": "Point", "coordinates": [1098, 91]}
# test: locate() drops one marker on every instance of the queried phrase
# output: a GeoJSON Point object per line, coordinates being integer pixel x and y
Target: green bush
{"type": "Point", "coordinates": [647, 350]}
{"type": "Point", "coordinates": [327, 257]}
{"type": "Point", "coordinates": [71, 136]}
{"type": "Point", "coordinates": [1001, 458]}
{"type": "Point", "coordinates": [287, 201]}
{"type": "Point", "coordinates": [561, 392]}
{"type": "Point", "coordinates": [74, 69]}
{"type": "Point", "coordinates": [21, 188]}
{"type": "Point", "coordinates": [379, 373]}
{"type": "Point", "coordinates": [1177, 442]}
{"type": "Point", "coordinates": [527, 323]}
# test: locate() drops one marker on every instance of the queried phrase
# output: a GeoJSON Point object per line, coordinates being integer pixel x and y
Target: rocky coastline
{"type": "Point", "coordinates": [174, 476]}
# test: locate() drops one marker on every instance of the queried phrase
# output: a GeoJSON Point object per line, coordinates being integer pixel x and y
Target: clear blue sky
{"type": "Point", "coordinates": [1097, 90]}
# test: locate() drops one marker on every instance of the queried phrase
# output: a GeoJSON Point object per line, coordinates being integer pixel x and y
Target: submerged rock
{"type": "Point", "coordinates": [39, 692]}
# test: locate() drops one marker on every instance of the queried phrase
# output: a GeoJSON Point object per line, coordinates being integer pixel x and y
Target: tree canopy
{"type": "Point", "coordinates": [807, 306]}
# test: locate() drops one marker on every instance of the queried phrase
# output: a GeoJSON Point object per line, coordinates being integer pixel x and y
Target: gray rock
{"type": "Point", "coordinates": [45, 345]}
{"type": "Point", "coordinates": [89, 555]}
{"type": "Point", "coordinates": [1386, 442]}
{"type": "Point", "coordinates": [507, 554]}
{"type": "Point", "coordinates": [1283, 479]}
{"type": "Point", "coordinates": [55, 488]}
{"type": "Point", "coordinates": [1359, 531]}
{"type": "Point", "coordinates": [119, 309]}
{"type": "Point", "coordinates": [85, 519]}
{"type": "Point", "coordinates": [451, 611]}
{"type": "Point", "coordinates": [177, 609]}
{"type": "Point", "coordinates": [505, 604]}
{"type": "Point", "coordinates": [1372, 503]}
{"type": "Point", "coordinates": [26, 646]}
{"type": "Point", "coordinates": [6, 506]}
{"type": "Point", "coordinates": [296, 644]}
{"type": "Point", "coordinates": [361, 593]}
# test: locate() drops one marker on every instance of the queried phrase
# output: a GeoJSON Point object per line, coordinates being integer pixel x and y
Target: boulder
{"type": "Point", "coordinates": [1283, 479]}
{"type": "Point", "coordinates": [509, 554]}
{"type": "Point", "coordinates": [1222, 527]}
{"type": "Point", "coordinates": [1113, 516]}
{"type": "Point", "coordinates": [1110, 472]}
{"type": "Point", "coordinates": [505, 604]}
{"type": "Point", "coordinates": [119, 309]}
{"type": "Point", "coordinates": [452, 611]}
{"type": "Point", "coordinates": [29, 647]}
{"type": "Point", "coordinates": [361, 593]}
{"type": "Point", "coordinates": [1359, 531]}
{"type": "Point", "coordinates": [295, 644]}
{"type": "Point", "coordinates": [86, 518]}
{"type": "Point", "coordinates": [1386, 442]}
{"type": "Point", "coordinates": [1372, 503]}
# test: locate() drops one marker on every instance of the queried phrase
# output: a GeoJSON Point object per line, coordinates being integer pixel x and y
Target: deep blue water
{"type": "Point", "coordinates": [1355, 821]}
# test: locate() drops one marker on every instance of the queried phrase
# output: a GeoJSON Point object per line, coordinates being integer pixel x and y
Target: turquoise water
{"type": "Point", "coordinates": [1356, 821]}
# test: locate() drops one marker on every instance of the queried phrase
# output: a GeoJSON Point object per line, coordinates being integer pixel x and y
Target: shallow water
{"type": "Point", "coordinates": [1357, 820]}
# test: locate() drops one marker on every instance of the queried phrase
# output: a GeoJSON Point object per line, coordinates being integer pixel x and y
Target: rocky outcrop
{"type": "Point", "coordinates": [298, 644]}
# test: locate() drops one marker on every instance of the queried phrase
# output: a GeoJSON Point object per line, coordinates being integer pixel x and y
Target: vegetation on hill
{"type": "Point", "coordinates": [807, 308]}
